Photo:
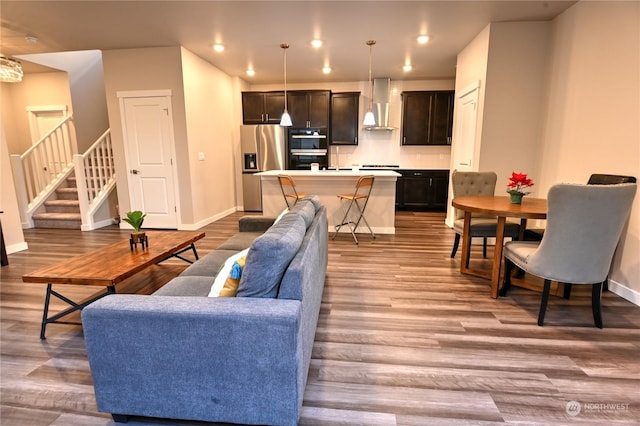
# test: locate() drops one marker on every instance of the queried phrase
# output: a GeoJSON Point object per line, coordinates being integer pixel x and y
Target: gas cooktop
{"type": "Point", "coordinates": [380, 166]}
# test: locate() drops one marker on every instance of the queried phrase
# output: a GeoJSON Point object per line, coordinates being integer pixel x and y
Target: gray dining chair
{"type": "Point", "coordinates": [584, 224]}
{"type": "Point", "coordinates": [535, 234]}
{"type": "Point", "coordinates": [477, 183]}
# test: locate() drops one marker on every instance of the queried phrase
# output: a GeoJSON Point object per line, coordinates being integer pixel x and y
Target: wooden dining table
{"type": "Point", "coordinates": [502, 208]}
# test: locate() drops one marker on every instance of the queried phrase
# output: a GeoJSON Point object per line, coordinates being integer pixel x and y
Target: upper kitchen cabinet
{"type": "Point", "coordinates": [309, 109]}
{"type": "Point", "coordinates": [344, 118]}
{"type": "Point", "coordinates": [427, 117]}
{"type": "Point", "coordinates": [262, 107]}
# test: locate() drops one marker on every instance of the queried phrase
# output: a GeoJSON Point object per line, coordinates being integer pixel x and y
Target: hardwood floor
{"type": "Point", "coordinates": [402, 339]}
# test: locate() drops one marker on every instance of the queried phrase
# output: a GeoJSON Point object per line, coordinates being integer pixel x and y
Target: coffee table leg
{"type": "Point", "coordinates": [111, 289]}
{"type": "Point", "coordinates": [47, 298]}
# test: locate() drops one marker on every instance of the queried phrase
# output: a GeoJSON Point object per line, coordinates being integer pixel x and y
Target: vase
{"type": "Point", "coordinates": [516, 198]}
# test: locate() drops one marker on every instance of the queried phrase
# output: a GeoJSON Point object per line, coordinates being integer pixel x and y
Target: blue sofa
{"type": "Point", "coordinates": [179, 354]}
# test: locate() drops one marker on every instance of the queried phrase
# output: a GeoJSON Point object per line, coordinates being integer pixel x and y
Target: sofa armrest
{"type": "Point", "coordinates": [255, 223]}
{"type": "Point", "coordinates": [212, 359]}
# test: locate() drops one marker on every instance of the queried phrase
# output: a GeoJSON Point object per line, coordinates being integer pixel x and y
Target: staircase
{"type": "Point", "coordinates": [63, 212]}
{"type": "Point", "coordinates": [59, 189]}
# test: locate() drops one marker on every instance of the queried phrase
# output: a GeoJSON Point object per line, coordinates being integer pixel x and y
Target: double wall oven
{"type": "Point", "coordinates": [307, 146]}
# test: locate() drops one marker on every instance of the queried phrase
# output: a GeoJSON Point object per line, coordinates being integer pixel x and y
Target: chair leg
{"type": "Point", "coordinates": [508, 269]}
{"type": "Point", "coordinates": [484, 247]}
{"type": "Point", "coordinates": [567, 291]}
{"type": "Point", "coordinates": [456, 242]}
{"type": "Point", "coordinates": [543, 303]}
{"type": "Point", "coordinates": [596, 299]}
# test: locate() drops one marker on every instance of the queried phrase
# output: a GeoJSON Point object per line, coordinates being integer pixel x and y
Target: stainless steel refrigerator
{"type": "Point", "coordinates": [263, 149]}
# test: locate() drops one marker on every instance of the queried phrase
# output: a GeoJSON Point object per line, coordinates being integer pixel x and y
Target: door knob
{"type": "Point", "coordinates": [134, 171]}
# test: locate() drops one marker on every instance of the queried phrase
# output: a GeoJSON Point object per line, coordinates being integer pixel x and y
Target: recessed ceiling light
{"type": "Point", "coordinates": [423, 39]}
{"type": "Point", "coordinates": [407, 68]}
{"type": "Point", "coordinates": [326, 69]}
{"type": "Point", "coordinates": [218, 47]}
{"type": "Point", "coordinates": [251, 72]}
{"type": "Point", "coordinates": [316, 43]}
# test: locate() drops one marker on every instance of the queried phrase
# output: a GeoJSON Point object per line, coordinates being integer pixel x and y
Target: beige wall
{"type": "Point", "coordinates": [203, 122]}
{"type": "Point", "coordinates": [592, 114]}
{"type": "Point", "coordinates": [10, 218]}
{"type": "Point", "coordinates": [146, 69]}
{"type": "Point", "coordinates": [89, 102]}
{"type": "Point", "coordinates": [40, 89]}
{"type": "Point", "coordinates": [208, 97]}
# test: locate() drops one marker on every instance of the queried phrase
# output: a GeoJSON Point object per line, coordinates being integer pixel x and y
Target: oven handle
{"type": "Point", "coordinates": [308, 136]}
{"type": "Point", "coordinates": [308, 152]}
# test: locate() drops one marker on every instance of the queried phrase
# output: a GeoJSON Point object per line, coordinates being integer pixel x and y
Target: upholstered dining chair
{"type": "Point", "coordinates": [584, 224]}
{"type": "Point", "coordinates": [477, 183]}
{"type": "Point", "coordinates": [289, 192]}
{"type": "Point", "coordinates": [535, 234]}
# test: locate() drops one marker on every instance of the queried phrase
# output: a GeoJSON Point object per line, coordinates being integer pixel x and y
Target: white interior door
{"type": "Point", "coordinates": [148, 131]}
{"type": "Point", "coordinates": [465, 140]}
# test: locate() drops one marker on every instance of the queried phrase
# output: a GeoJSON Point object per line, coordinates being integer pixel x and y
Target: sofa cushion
{"type": "Point", "coordinates": [269, 256]}
{"type": "Point", "coordinates": [209, 265]}
{"type": "Point", "coordinates": [240, 241]}
{"type": "Point", "coordinates": [186, 286]}
{"type": "Point", "coordinates": [224, 274]}
{"type": "Point", "coordinates": [306, 210]}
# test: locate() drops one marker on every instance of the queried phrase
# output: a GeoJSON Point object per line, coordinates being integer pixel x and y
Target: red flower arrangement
{"type": "Point", "coordinates": [518, 182]}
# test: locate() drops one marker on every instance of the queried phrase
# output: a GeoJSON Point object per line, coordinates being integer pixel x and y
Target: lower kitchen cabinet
{"type": "Point", "coordinates": [422, 190]}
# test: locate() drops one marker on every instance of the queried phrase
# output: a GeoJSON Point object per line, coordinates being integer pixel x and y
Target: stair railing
{"type": "Point", "coordinates": [40, 170]}
{"type": "Point", "coordinates": [95, 178]}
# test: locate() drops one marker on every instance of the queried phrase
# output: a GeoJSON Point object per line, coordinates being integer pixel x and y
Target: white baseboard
{"type": "Point", "coordinates": [14, 248]}
{"type": "Point", "coordinates": [626, 293]}
{"type": "Point", "coordinates": [205, 222]}
{"type": "Point", "coordinates": [97, 225]}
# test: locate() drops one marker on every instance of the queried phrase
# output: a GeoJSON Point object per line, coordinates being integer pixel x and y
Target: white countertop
{"type": "Point", "coordinates": [330, 173]}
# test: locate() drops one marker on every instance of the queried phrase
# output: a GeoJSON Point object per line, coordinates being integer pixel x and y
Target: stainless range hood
{"type": "Point", "coordinates": [381, 89]}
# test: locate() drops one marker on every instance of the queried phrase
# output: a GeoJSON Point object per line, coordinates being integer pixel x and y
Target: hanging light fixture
{"type": "Point", "coordinates": [369, 119]}
{"type": "Point", "coordinates": [10, 70]}
{"type": "Point", "coordinates": [286, 118]}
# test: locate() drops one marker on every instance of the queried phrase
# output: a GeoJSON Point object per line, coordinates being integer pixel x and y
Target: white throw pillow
{"type": "Point", "coordinates": [224, 272]}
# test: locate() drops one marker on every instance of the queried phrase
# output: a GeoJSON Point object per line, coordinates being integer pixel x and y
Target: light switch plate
{"type": "Point", "coordinates": [201, 156]}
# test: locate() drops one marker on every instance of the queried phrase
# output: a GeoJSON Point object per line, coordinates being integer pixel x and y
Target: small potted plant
{"type": "Point", "coordinates": [517, 187]}
{"type": "Point", "coordinates": [135, 219]}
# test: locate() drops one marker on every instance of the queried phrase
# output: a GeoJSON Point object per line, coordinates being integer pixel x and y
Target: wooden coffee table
{"type": "Point", "coordinates": [107, 266]}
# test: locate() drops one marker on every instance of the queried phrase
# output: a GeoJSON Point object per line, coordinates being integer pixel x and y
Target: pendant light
{"type": "Point", "coordinates": [10, 70]}
{"type": "Point", "coordinates": [369, 119]}
{"type": "Point", "coordinates": [286, 118]}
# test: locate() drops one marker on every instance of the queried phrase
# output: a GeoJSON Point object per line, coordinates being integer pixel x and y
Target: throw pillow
{"type": "Point", "coordinates": [269, 257]}
{"type": "Point", "coordinates": [224, 272]}
{"type": "Point", "coordinates": [230, 288]}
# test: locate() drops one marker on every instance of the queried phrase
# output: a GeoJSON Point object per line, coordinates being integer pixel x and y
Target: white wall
{"type": "Point", "coordinates": [382, 147]}
{"type": "Point", "coordinates": [593, 112]}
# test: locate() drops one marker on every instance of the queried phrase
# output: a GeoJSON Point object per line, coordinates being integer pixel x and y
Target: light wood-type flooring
{"type": "Point", "coordinates": [402, 339]}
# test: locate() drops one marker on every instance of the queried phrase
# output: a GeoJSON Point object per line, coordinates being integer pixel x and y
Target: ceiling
{"type": "Point", "coordinates": [252, 32]}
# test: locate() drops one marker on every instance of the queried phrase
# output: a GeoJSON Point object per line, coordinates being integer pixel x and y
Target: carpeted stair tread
{"type": "Point", "coordinates": [69, 203]}
{"type": "Point", "coordinates": [57, 216]}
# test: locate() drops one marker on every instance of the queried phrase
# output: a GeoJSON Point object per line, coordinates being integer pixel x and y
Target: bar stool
{"type": "Point", "coordinates": [288, 188]}
{"type": "Point", "coordinates": [359, 199]}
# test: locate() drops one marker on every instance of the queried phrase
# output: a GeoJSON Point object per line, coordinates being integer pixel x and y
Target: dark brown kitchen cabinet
{"type": "Point", "coordinates": [344, 118]}
{"type": "Point", "coordinates": [262, 107]}
{"type": "Point", "coordinates": [427, 117]}
{"type": "Point", "coordinates": [309, 109]}
{"type": "Point", "coordinates": [422, 190]}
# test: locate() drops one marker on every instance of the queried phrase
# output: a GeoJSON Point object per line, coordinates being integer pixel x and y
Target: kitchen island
{"type": "Point", "coordinates": [327, 184]}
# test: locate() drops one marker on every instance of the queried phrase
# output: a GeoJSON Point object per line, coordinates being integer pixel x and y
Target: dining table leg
{"type": "Point", "coordinates": [466, 247]}
{"type": "Point", "coordinates": [497, 257]}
